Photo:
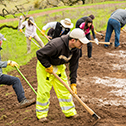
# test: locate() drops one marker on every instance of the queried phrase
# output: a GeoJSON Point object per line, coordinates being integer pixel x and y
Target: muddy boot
{"type": "Point", "coordinates": [25, 102]}
{"type": "Point", "coordinates": [44, 119]}
{"type": "Point", "coordinates": [73, 117]}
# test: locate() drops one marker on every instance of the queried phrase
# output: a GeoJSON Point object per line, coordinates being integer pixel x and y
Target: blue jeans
{"type": "Point", "coordinates": [113, 25]}
{"type": "Point", "coordinates": [16, 84]}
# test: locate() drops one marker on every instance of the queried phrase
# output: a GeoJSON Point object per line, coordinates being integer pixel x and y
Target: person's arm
{"type": "Point", "coordinates": [3, 64]}
{"type": "Point", "coordinates": [93, 33]}
{"type": "Point", "coordinates": [45, 53]}
{"type": "Point", "coordinates": [82, 25]}
{"type": "Point", "coordinates": [73, 66]}
{"type": "Point", "coordinates": [33, 31]}
{"type": "Point", "coordinates": [94, 36]}
{"type": "Point", "coordinates": [23, 25]}
{"type": "Point", "coordinates": [49, 25]}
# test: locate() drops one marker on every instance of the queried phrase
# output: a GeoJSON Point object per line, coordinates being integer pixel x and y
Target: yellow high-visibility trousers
{"type": "Point", "coordinates": [45, 83]}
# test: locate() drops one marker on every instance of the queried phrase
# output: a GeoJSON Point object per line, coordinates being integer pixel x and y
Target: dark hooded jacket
{"type": "Point", "coordinates": [57, 31]}
{"type": "Point", "coordinates": [57, 52]}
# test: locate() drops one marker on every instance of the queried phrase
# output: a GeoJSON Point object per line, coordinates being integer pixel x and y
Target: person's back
{"type": "Point", "coordinates": [116, 22]}
{"type": "Point", "coordinates": [119, 15]}
{"type": "Point", "coordinates": [30, 32]}
{"type": "Point", "coordinates": [57, 29]}
{"type": "Point", "coordinates": [81, 20]}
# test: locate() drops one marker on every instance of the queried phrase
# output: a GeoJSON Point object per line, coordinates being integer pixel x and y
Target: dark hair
{"type": "Point", "coordinates": [92, 16]}
{"type": "Point", "coordinates": [88, 20]}
{"type": "Point", "coordinates": [69, 38]}
{"type": "Point", "coordinates": [29, 23]}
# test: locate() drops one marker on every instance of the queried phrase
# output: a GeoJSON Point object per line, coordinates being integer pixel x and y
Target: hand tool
{"type": "Point", "coordinates": [33, 41]}
{"type": "Point", "coordinates": [39, 29]}
{"type": "Point", "coordinates": [99, 33]}
{"type": "Point", "coordinates": [26, 80]}
{"type": "Point", "coordinates": [96, 117]}
{"type": "Point", "coordinates": [107, 43]}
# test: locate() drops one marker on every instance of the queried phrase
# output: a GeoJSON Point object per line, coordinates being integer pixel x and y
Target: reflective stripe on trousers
{"type": "Point", "coordinates": [43, 92]}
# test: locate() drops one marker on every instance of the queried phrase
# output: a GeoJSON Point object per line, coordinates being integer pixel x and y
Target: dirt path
{"type": "Point", "coordinates": [53, 11]}
{"type": "Point", "coordinates": [101, 85]}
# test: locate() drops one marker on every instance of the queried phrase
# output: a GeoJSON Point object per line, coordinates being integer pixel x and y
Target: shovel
{"type": "Point", "coordinates": [96, 117]}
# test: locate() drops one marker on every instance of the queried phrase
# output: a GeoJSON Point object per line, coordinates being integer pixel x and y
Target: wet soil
{"type": "Point", "coordinates": [101, 86]}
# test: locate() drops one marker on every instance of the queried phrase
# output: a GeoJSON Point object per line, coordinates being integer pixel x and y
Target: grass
{"type": "Point", "coordinates": [60, 7]}
{"type": "Point", "coordinates": [15, 47]}
{"type": "Point", "coordinates": [8, 93]}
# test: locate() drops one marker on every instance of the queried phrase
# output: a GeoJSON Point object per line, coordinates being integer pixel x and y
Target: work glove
{"type": "Point", "coordinates": [49, 69]}
{"type": "Point", "coordinates": [121, 29]}
{"type": "Point", "coordinates": [21, 30]}
{"type": "Point", "coordinates": [30, 38]}
{"type": "Point", "coordinates": [73, 88]}
{"type": "Point", "coordinates": [43, 32]}
{"type": "Point", "coordinates": [12, 63]}
{"type": "Point", "coordinates": [96, 41]}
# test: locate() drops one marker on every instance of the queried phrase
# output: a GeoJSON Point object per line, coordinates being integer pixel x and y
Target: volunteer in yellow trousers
{"type": "Point", "coordinates": [52, 58]}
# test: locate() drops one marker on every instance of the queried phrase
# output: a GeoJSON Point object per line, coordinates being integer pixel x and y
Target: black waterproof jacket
{"type": "Point", "coordinates": [57, 52]}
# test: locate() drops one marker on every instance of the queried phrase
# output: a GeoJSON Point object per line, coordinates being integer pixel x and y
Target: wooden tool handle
{"type": "Point", "coordinates": [107, 43]}
{"type": "Point", "coordinates": [74, 95]}
{"type": "Point", "coordinates": [39, 29]}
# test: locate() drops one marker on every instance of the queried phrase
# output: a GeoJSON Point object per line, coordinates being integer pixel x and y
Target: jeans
{"type": "Point", "coordinates": [16, 84]}
{"type": "Point", "coordinates": [113, 25]}
{"type": "Point", "coordinates": [89, 46]}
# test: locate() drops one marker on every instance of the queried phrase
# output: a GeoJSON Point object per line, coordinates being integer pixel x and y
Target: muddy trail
{"type": "Point", "coordinates": [101, 85]}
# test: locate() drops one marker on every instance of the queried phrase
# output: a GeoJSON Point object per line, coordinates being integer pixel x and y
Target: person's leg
{"type": "Point", "coordinates": [80, 52]}
{"type": "Point", "coordinates": [64, 96]}
{"type": "Point", "coordinates": [89, 46]}
{"type": "Point", "coordinates": [43, 91]}
{"type": "Point", "coordinates": [36, 37]}
{"type": "Point", "coordinates": [117, 28]}
{"type": "Point", "coordinates": [28, 45]}
{"type": "Point", "coordinates": [108, 31]}
{"type": "Point", "coordinates": [16, 84]}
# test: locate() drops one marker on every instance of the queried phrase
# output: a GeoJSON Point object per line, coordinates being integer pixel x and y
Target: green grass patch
{"type": "Point", "coordinates": [9, 93]}
{"type": "Point", "coordinates": [2, 109]}
{"type": "Point", "coordinates": [3, 117]}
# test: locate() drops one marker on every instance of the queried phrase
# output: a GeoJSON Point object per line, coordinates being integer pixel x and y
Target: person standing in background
{"type": "Point", "coordinates": [30, 32]}
{"type": "Point", "coordinates": [86, 27]}
{"type": "Point", "coordinates": [116, 22]}
{"type": "Point", "coordinates": [57, 29]}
